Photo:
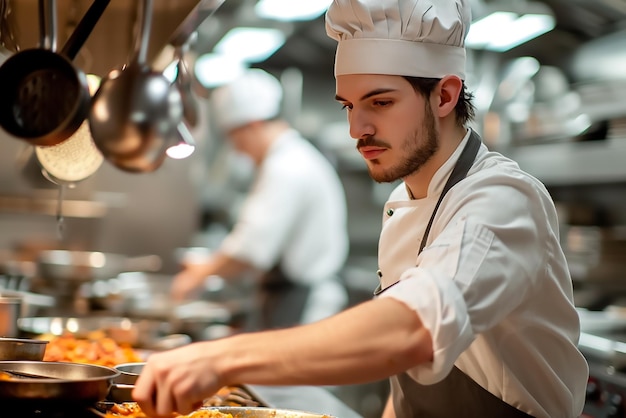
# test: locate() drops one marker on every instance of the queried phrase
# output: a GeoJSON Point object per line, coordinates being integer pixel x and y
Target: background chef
{"type": "Point", "coordinates": [292, 229]}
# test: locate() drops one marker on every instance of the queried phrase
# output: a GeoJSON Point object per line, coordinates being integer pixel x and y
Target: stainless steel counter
{"type": "Point", "coordinates": [304, 398]}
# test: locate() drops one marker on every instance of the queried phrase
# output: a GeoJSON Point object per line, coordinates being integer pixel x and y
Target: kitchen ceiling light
{"type": "Point", "coordinates": [503, 30]}
{"type": "Point", "coordinates": [213, 70]}
{"type": "Point", "coordinates": [186, 144]}
{"type": "Point", "coordinates": [291, 10]}
{"type": "Point", "coordinates": [250, 44]}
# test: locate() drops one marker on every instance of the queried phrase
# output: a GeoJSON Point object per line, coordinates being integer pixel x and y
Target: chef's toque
{"type": "Point", "coordinates": [254, 96]}
{"type": "Point", "coordinates": [419, 38]}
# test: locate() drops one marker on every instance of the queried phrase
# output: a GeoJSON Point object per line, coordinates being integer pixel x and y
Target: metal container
{"type": "Point", "coordinates": [66, 385]}
{"type": "Point", "coordinates": [123, 385]}
{"type": "Point", "coordinates": [10, 310]}
{"type": "Point", "coordinates": [262, 412]}
{"type": "Point", "coordinates": [86, 266]}
{"type": "Point", "coordinates": [22, 349]}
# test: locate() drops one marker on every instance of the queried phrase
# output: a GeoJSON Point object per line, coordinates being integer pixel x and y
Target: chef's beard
{"type": "Point", "coordinates": [417, 148]}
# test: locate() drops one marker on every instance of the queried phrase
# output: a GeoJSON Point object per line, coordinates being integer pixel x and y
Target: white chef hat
{"type": "Point", "coordinates": [420, 38]}
{"type": "Point", "coordinates": [254, 96]}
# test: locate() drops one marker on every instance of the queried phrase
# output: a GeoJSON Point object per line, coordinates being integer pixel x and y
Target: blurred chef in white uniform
{"type": "Point", "coordinates": [291, 231]}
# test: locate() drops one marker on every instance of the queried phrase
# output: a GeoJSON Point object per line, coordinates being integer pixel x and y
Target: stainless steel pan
{"type": "Point", "coordinates": [87, 266]}
{"type": "Point", "coordinates": [66, 385]}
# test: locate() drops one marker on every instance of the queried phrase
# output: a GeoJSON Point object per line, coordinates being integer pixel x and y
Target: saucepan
{"type": "Point", "coordinates": [22, 349]}
{"type": "Point", "coordinates": [45, 97]}
{"type": "Point", "coordinates": [135, 112]}
{"type": "Point", "coordinates": [58, 385]}
{"type": "Point", "coordinates": [87, 266]}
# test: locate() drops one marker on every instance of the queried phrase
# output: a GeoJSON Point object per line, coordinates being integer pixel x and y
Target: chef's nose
{"type": "Point", "coordinates": [360, 126]}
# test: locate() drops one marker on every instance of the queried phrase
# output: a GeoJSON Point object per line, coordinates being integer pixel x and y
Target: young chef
{"type": "Point", "coordinates": [474, 316]}
{"type": "Point", "coordinates": [292, 229]}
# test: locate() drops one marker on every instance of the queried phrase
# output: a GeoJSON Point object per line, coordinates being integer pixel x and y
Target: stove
{"type": "Point", "coordinates": [603, 343]}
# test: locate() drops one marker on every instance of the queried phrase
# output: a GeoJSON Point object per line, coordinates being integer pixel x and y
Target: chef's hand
{"type": "Point", "coordinates": [176, 381]}
{"type": "Point", "coordinates": [187, 281]}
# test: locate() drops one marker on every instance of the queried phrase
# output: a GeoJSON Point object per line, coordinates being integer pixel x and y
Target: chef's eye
{"type": "Point", "coordinates": [346, 106]}
{"type": "Point", "coordinates": [382, 103]}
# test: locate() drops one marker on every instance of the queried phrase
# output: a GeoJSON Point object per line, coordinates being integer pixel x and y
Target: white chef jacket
{"type": "Point", "coordinates": [295, 214]}
{"type": "Point", "coordinates": [492, 284]}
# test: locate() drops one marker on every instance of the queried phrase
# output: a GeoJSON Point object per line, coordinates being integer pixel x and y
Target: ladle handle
{"type": "Point", "coordinates": [84, 28]}
{"type": "Point", "coordinates": [143, 37]}
{"type": "Point", "coordinates": [47, 24]}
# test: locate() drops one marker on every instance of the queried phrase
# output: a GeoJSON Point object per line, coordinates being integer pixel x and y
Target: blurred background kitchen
{"type": "Point", "coordinates": [549, 78]}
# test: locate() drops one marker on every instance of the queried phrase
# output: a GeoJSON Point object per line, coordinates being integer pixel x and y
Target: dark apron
{"type": "Point", "coordinates": [281, 301]}
{"type": "Point", "coordinates": [457, 395]}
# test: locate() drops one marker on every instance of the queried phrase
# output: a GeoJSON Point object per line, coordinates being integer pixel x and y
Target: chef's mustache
{"type": "Point", "coordinates": [370, 141]}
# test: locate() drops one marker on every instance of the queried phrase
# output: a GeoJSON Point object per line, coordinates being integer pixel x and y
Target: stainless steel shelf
{"type": "Point", "coordinates": [574, 163]}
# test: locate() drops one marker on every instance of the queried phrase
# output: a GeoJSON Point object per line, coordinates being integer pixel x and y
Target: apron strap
{"type": "Point", "coordinates": [459, 172]}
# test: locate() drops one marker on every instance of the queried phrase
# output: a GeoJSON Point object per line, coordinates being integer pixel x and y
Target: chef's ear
{"type": "Point", "coordinates": [447, 94]}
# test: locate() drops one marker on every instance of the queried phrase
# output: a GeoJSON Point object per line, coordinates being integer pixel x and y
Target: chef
{"type": "Point", "coordinates": [292, 231]}
{"type": "Point", "coordinates": [474, 315]}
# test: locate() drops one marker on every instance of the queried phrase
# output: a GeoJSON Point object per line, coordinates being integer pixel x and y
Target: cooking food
{"type": "Point", "coordinates": [96, 349]}
{"type": "Point", "coordinates": [132, 410]}
{"type": "Point", "coordinates": [231, 396]}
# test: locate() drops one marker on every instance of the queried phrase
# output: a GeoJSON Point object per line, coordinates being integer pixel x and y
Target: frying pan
{"type": "Point", "coordinates": [73, 384]}
{"type": "Point", "coordinates": [86, 266]}
{"type": "Point", "coordinates": [45, 97]}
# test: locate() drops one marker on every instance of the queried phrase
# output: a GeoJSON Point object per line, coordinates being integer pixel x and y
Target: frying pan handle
{"type": "Point", "coordinates": [84, 28]}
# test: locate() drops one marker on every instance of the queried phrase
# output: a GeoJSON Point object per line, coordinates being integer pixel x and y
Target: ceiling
{"type": "Point", "coordinates": [307, 48]}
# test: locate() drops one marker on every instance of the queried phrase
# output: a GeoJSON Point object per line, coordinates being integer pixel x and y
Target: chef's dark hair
{"type": "Point", "coordinates": [464, 109]}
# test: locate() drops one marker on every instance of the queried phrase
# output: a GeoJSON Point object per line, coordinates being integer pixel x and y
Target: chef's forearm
{"type": "Point", "coordinates": [344, 349]}
{"type": "Point", "coordinates": [223, 265]}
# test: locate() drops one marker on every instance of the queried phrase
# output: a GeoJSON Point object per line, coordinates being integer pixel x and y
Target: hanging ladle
{"type": "Point", "coordinates": [136, 110]}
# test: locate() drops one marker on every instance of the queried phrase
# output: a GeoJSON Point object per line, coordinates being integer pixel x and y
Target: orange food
{"type": "Point", "coordinates": [96, 349]}
{"type": "Point", "coordinates": [132, 410]}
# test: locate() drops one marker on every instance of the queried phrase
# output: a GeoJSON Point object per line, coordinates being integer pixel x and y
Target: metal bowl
{"type": "Point", "coordinates": [123, 385]}
{"type": "Point", "coordinates": [129, 372]}
{"type": "Point", "coordinates": [22, 349]}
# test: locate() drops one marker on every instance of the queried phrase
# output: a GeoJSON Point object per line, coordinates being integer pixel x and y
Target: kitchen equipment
{"type": "Point", "coordinates": [263, 412]}
{"type": "Point", "coordinates": [78, 385]}
{"type": "Point", "coordinates": [32, 303]}
{"type": "Point", "coordinates": [183, 84]}
{"type": "Point", "coordinates": [22, 349]}
{"type": "Point", "coordinates": [180, 40]}
{"type": "Point", "coordinates": [86, 266]}
{"type": "Point", "coordinates": [129, 372]}
{"type": "Point", "coordinates": [140, 333]}
{"type": "Point", "coordinates": [140, 294]}
{"type": "Point", "coordinates": [45, 97]}
{"type": "Point", "coordinates": [135, 111]}
{"type": "Point", "coordinates": [74, 159]}
{"type": "Point", "coordinates": [125, 382]}
{"type": "Point", "coordinates": [10, 309]}
{"type": "Point", "coordinates": [7, 30]}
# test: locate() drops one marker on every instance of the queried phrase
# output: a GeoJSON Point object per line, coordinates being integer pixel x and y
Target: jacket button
{"type": "Point", "coordinates": [389, 212]}
{"type": "Point", "coordinates": [379, 273]}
